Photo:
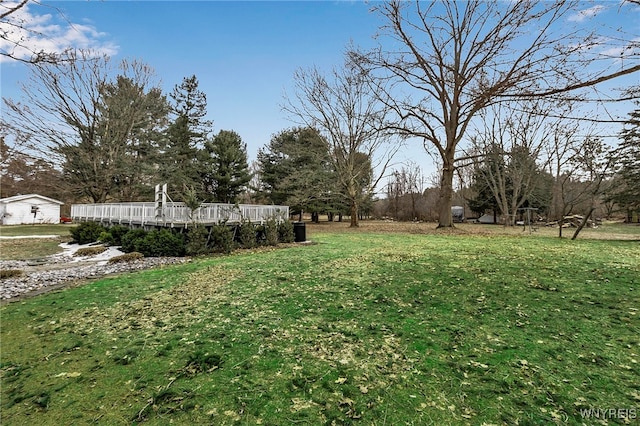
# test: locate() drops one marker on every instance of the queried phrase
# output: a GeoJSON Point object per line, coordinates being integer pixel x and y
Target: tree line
{"type": "Point", "coordinates": [114, 138]}
{"type": "Point", "coordinates": [479, 83]}
{"type": "Point", "coordinates": [563, 174]}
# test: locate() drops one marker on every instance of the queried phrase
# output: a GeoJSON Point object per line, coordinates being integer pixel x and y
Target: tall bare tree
{"type": "Point", "coordinates": [352, 120]}
{"type": "Point", "coordinates": [15, 32]}
{"type": "Point", "coordinates": [60, 103]}
{"type": "Point", "coordinates": [72, 114]}
{"type": "Point", "coordinates": [445, 61]}
{"type": "Point", "coordinates": [511, 142]}
{"type": "Point", "coordinates": [404, 191]}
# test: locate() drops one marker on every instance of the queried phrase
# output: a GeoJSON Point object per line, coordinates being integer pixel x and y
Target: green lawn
{"type": "Point", "coordinates": [359, 328]}
{"type": "Point", "coordinates": [43, 229]}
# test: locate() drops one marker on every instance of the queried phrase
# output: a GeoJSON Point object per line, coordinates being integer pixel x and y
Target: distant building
{"type": "Point", "coordinates": [29, 209]}
{"type": "Point", "coordinates": [490, 218]}
{"type": "Point", "coordinates": [457, 213]}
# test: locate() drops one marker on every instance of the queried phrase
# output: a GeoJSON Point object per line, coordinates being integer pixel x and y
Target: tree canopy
{"type": "Point", "coordinates": [296, 170]}
{"type": "Point", "coordinates": [224, 168]}
{"type": "Point", "coordinates": [440, 63]}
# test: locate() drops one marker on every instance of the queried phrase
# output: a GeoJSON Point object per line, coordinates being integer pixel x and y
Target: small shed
{"type": "Point", "coordinates": [29, 209]}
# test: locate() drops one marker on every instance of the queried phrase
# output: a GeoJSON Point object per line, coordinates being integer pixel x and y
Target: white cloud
{"type": "Point", "coordinates": [24, 33]}
{"type": "Point", "coordinates": [629, 50]}
{"type": "Point", "coordinates": [586, 13]}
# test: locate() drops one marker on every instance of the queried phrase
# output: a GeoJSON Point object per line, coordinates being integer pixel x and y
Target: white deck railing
{"type": "Point", "coordinates": [150, 213]}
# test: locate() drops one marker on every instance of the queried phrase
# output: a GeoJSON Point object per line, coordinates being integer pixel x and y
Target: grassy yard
{"type": "Point", "coordinates": [32, 248]}
{"type": "Point", "coordinates": [371, 328]}
{"type": "Point", "coordinates": [43, 229]}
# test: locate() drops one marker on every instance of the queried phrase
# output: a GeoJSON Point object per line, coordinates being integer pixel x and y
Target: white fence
{"type": "Point", "coordinates": [176, 213]}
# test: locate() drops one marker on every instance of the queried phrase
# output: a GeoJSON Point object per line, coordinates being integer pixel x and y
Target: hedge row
{"type": "Point", "coordinates": [197, 240]}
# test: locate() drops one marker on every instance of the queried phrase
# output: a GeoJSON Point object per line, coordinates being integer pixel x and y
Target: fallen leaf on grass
{"type": "Point", "coordinates": [301, 404]}
{"type": "Point", "coordinates": [72, 374]}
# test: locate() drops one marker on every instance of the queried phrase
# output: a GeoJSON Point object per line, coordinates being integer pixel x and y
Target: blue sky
{"type": "Point", "coordinates": [244, 53]}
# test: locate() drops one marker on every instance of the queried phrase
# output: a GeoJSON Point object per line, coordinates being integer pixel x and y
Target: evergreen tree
{"type": "Point", "coordinates": [483, 199]}
{"type": "Point", "coordinates": [185, 137]}
{"type": "Point", "coordinates": [628, 157]}
{"type": "Point", "coordinates": [296, 170]}
{"type": "Point", "coordinates": [226, 170]}
{"type": "Point", "coordinates": [115, 161]}
{"type": "Point", "coordinates": [131, 126]}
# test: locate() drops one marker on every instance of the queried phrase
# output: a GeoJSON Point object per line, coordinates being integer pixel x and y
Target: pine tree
{"type": "Point", "coordinates": [226, 170]}
{"type": "Point", "coordinates": [131, 125]}
{"type": "Point", "coordinates": [185, 137]}
{"type": "Point", "coordinates": [296, 170]}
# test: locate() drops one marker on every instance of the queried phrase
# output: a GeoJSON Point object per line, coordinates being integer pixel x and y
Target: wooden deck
{"type": "Point", "coordinates": [175, 214]}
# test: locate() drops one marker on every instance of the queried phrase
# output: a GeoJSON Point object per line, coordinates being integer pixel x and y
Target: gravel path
{"type": "Point", "coordinates": [62, 270]}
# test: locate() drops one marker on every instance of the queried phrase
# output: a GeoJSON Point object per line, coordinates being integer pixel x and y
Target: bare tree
{"type": "Point", "coordinates": [511, 143]}
{"type": "Point", "coordinates": [352, 120]}
{"type": "Point", "coordinates": [562, 145]}
{"type": "Point", "coordinates": [60, 104]}
{"type": "Point", "coordinates": [75, 116]}
{"type": "Point", "coordinates": [404, 191]}
{"type": "Point", "coordinates": [596, 164]}
{"type": "Point", "coordinates": [18, 31]}
{"type": "Point", "coordinates": [580, 167]}
{"type": "Point", "coordinates": [447, 60]}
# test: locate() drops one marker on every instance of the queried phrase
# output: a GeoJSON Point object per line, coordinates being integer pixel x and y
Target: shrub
{"type": "Point", "coordinates": [127, 257]}
{"type": "Point", "coordinates": [271, 232]}
{"type": "Point", "coordinates": [10, 273]}
{"type": "Point", "coordinates": [87, 232]}
{"type": "Point", "coordinates": [117, 232]}
{"type": "Point", "coordinates": [90, 251]}
{"type": "Point", "coordinates": [247, 235]}
{"type": "Point", "coordinates": [196, 240]}
{"type": "Point", "coordinates": [221, 238]}
{"type": "Point", "coordinates": [161, 243]}
{"type": "Point", "coordinates": [131, 238]}
{"type": "Point", "coordinates": [106, 238]}
{"type": "Point", "coordinates": [260, 237]}
{"type": "Point", "coordinates": [285, 232]}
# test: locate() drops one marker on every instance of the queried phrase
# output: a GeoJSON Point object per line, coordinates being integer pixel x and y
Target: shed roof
{"type": "Point", "coordinates": [27, 196]}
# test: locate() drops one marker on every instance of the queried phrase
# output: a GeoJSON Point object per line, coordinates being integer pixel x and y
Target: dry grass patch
{"type": "Point", "coordinates": [90, 251]}
{"type": "Point", "coordinates": [127, 257]}
{"type": "Point", "coordinates": [161, 311]}
{"type": "Point", "coordinates": [10, 273]}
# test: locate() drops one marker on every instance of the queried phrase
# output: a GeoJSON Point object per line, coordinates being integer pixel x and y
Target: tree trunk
{"type": "Point", "coordinates": [444, 199]}
{"type": "Point", "coordinates": [414, 212]}
{"type": "Point", "coordinates": [583, 223]}
{"type": "Point", "coordinates": [354, 214]}
{"type": "Point", "coordinates": [563, 213]}
{"type": "Point", "coordinates": [560, 225]}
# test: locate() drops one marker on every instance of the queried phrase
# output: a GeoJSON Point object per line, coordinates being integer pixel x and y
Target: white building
{"type": "Point", "coordinates": [29, 209]}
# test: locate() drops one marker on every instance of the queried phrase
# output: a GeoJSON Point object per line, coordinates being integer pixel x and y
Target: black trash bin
{"type": "Point", "coordinates": [299, 232]}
